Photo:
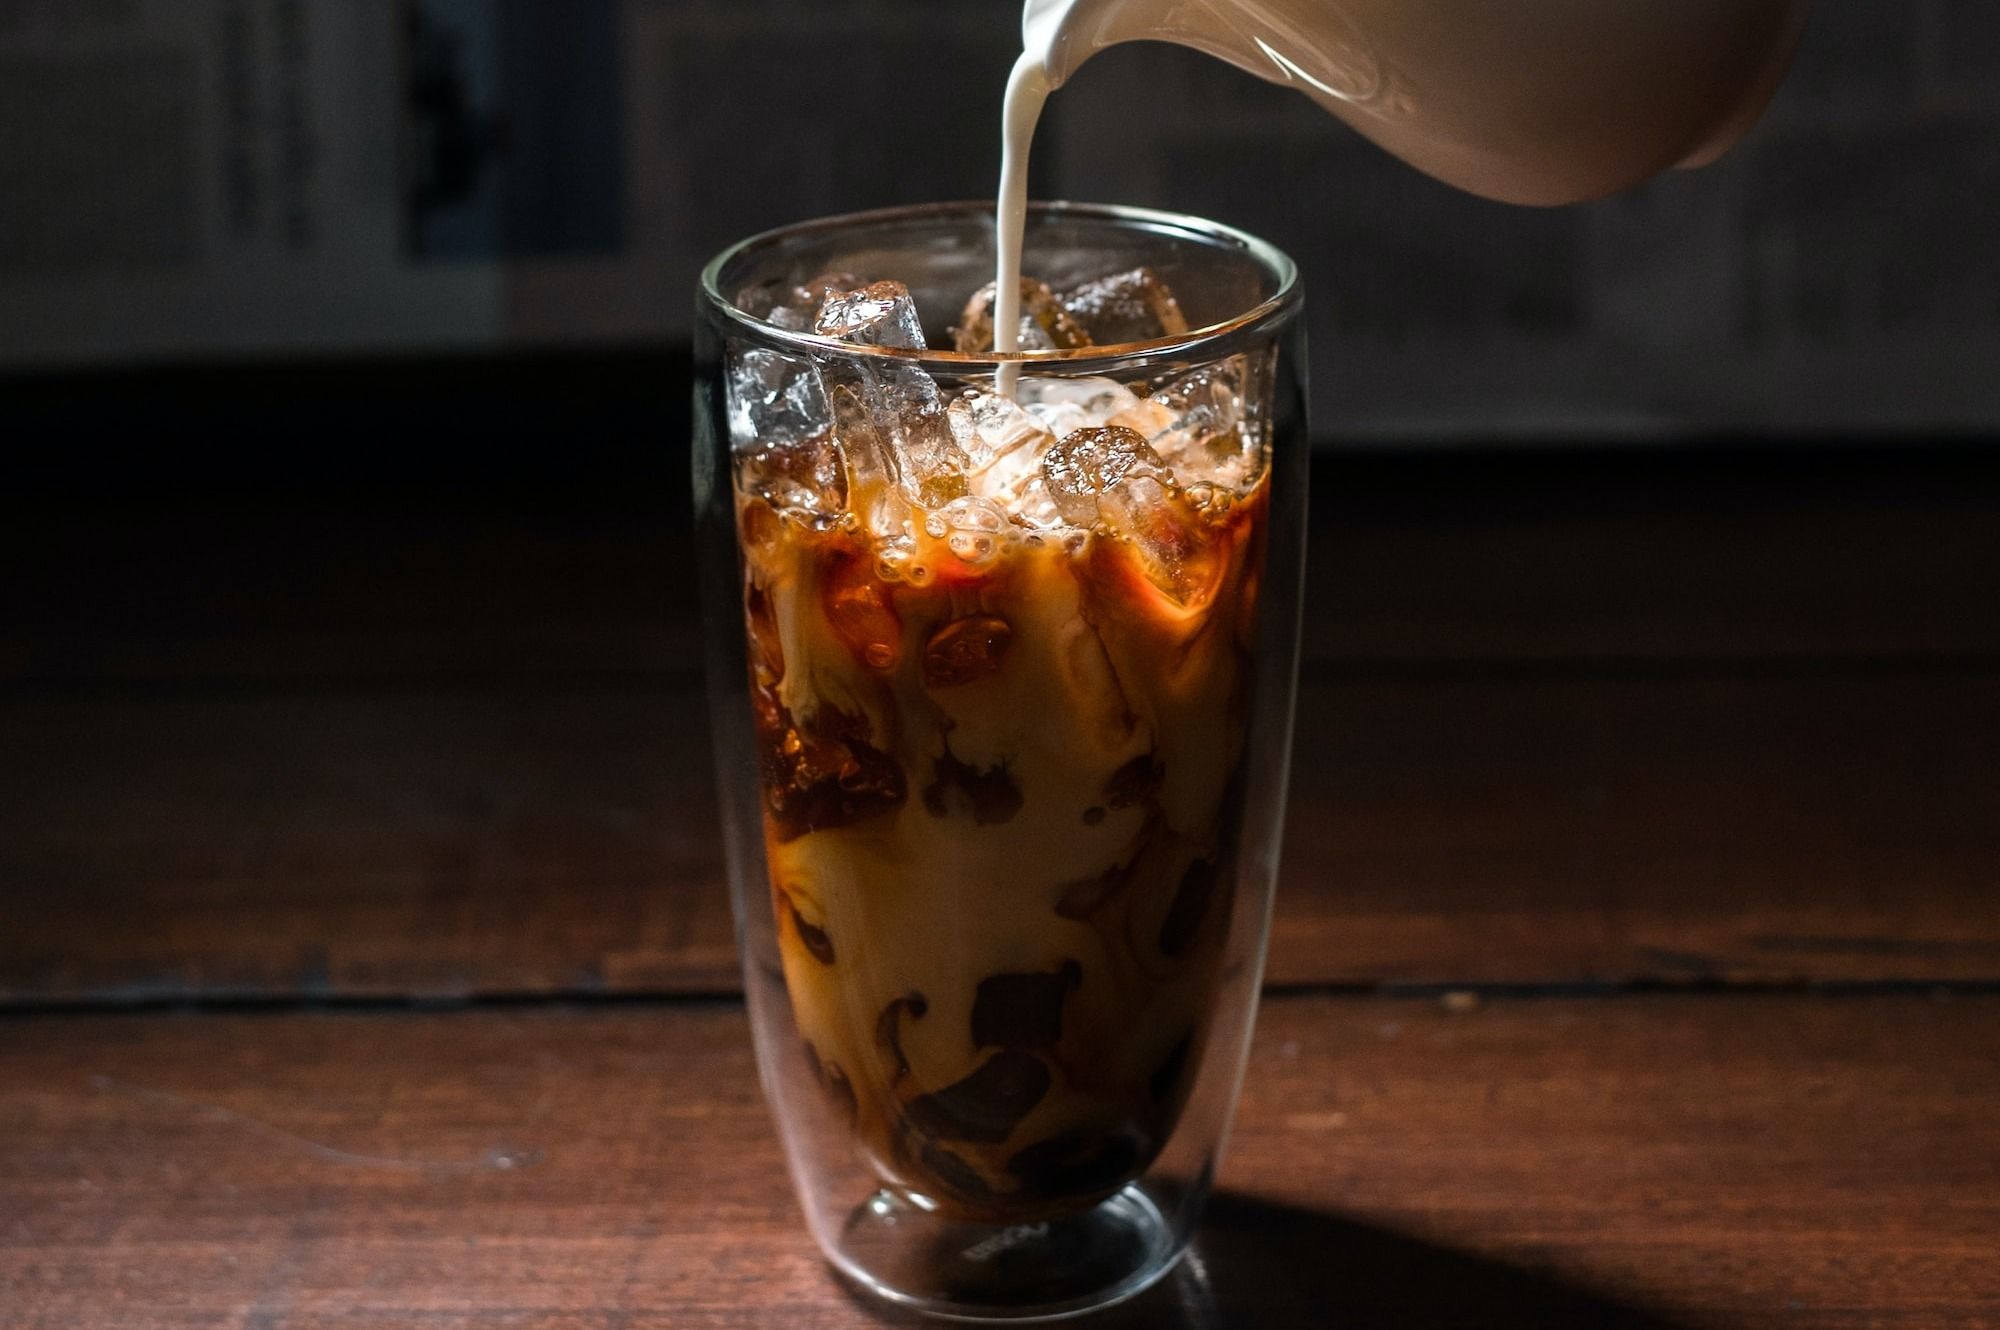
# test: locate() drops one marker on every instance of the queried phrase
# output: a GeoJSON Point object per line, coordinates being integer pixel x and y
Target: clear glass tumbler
{"type": "Point", "coordinates": [1002, 678]}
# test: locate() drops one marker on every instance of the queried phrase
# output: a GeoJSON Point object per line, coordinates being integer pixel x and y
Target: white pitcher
{"type": "Point", "coordinates": [1526, 101]}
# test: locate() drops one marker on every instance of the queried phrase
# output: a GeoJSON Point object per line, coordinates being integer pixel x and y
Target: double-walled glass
{"type": "Point", "coordinates": [1002, 798]}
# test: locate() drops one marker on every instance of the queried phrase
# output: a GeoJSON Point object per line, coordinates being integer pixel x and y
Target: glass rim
{"type": "Point", "coordinates": [1277, 308]}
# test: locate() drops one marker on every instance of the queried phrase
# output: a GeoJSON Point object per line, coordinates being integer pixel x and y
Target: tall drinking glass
{"type": "Point", "coordinates": [1002, 677]}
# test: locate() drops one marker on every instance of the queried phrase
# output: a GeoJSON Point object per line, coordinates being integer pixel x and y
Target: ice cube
{"type": "Point", "coordinates": [1015, 484]}
{"type": "Point", "coordinates": [781, 432]}
{"type": "Point", "coordinates": [1133, 306]}
{"type": "Point", "coordinates": [1032, 505]}
{"type": "Point", "coordinates": [871, 463]}
{"type": "Point", "coordinates": [893, 460]}
{"type": "Point", "coordinates": [892, 416]}
{"type": "Point", "coordinates": [1110, 479]}
{"type": "Point", "coordinates": [774, 398]}
{"type": "Point", "coordinates": [1209, 424]}
{"type": "Point", "coordinates": [1003, 444]}
{"type": "Point", "coordinates": [974, 529]}
{"type": "Point", "coordinates": [929, 462]}
{"type": "Point", "coordinates": [806, 479]}
{"type": "Point", "coordinates": [794, 306]}
{"type": "Point", "coordinates": [913, 433]}
{"type": "Point", "coordinates": [990, 427]}
{"type": "Point", "coordinates": [1060, 418]}
{"type": "Point", "coordinates": [880, 314]}
{"type": "Point", "coordinates": [1045, 324]}
{"type": "Point", "coordinates": [1064, 406]}
{"type": "Point", "coordinates": [1151, 419]}
{"type": "Point", "coordinates": [1098, 474]}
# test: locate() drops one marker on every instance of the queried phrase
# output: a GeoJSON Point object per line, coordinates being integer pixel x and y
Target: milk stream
{"type": "Point", "coordinates": [1525, 101]}
{"type": "Point", "coordinates": [1027, 92]}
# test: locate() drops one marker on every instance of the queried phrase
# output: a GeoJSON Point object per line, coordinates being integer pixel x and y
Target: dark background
{"type": "Point", "coordinates": [231, 185]}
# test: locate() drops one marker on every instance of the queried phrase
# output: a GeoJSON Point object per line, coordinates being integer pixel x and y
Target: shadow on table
{"type": "Point", "coordinates": [1259, 1265]}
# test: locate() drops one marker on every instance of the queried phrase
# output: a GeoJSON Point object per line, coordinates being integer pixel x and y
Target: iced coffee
{"type": "Point", "coordinates": [999, 643]}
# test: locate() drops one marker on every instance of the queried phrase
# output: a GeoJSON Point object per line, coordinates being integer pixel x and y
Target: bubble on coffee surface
{"type": "Point", "coordinates": [974, 529]}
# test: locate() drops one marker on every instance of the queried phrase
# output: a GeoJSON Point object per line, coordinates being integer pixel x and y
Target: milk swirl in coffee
{"type": "Point", "coordinates": [999, 670]}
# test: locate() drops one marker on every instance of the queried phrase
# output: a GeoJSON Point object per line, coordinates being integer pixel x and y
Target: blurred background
{"type": "Point", "coordinates": [205, 183]}
{"type": "Point", "coordinates": [348, 643]}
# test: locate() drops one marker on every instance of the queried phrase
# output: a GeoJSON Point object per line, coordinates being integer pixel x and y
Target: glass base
{"type": "Point", "coordinates": [897, 1248]}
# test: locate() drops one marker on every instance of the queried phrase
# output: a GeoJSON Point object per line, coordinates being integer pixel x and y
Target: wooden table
{"type": "Point", "coordinates": [365, 962]}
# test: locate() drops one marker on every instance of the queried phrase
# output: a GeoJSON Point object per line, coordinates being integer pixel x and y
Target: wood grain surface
{"type": "Point", "coordinates": [540, 839]}
{"type": "Point", "coordinates": [1645, 1162]}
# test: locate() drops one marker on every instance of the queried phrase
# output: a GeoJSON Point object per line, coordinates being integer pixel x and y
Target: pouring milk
{"type": "Point", "coordinates": [1524, 101]}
